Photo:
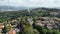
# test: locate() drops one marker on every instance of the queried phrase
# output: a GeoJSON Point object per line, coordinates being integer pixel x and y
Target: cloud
{"type": "Point", "coordinates": [11, 2]}
{"type": "Point", "coordinates": [31, 3]}
{"type": "Point", "coordinates": [36, 0]}
{"type": "Point", "coordinates": [39, 3]}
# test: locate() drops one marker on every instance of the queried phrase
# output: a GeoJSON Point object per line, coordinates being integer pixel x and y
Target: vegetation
{"type": "Point", "coordinates": [7, 28]}
{"type": "Point", "coordinates": [23, 25]}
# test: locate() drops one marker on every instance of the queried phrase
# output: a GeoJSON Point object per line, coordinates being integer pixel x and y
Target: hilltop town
{"type": "Point", "coordinates": [30, 21]}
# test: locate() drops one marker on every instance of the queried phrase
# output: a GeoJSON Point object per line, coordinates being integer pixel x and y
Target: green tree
{"type": "Point", "coordinates": [56, 32]}
{"type": "Point", "coordinates": [35, 31]}
{"type": "Point", "coordinates": [49, 32]}
{"type": "Point", "coordinates": [28, 29]}
{"type": "Point", "coordinates": [41, 30]}
{"type": "Point", "coordinates": [7, 28]}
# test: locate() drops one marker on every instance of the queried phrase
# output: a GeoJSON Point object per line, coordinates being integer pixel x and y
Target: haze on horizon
{"type": "Point", "coordinates": [31, 3]}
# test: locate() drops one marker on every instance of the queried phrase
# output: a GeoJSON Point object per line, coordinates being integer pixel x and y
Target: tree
{"type": "Point", "coordinates": [49, 32]}
{"type": "Point", "coordinates": [41, 30]}
{"type": "Point", "coordinates": [7, 28]}
{"type": "Point", "coordinates": [56, 32]}
{"type": "Point", "coordinates": [28, 29]}
{"type": "Point", "coordinates": [35, 31]}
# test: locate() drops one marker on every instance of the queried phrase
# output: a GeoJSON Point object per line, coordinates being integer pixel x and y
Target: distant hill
{"type": "Point", "coordinates": [7, 8]}
{"type": "Point", "coordinates": [11, 8]}
{"type": "Point", "coordinates": [16, 8]}
{"type": "Point", "coordinates": [46, 9]}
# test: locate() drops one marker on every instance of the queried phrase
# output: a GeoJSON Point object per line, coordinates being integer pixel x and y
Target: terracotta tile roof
{"type": "Point", "coordinates": [12, 32]}
{"type": "Point", "coordinates": [1, 26]}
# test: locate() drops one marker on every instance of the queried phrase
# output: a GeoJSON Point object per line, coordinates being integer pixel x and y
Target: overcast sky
{"type": "Point", "coordinates": [31, 3]}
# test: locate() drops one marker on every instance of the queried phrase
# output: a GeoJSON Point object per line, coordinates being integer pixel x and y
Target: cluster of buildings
{"type": "Point", "coordinates": [13, 27]}
{"type": "Point", "coordinates": [47, 22]}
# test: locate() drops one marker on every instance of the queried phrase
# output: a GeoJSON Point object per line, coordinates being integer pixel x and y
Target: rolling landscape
{"type": "Point", "coordinates": [29, 16]}
{"type": "Point", "coordinates": [29, 20]}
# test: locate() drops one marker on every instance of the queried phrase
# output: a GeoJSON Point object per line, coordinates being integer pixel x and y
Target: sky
{"type": "Point", "coordinates": [31, 3]}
